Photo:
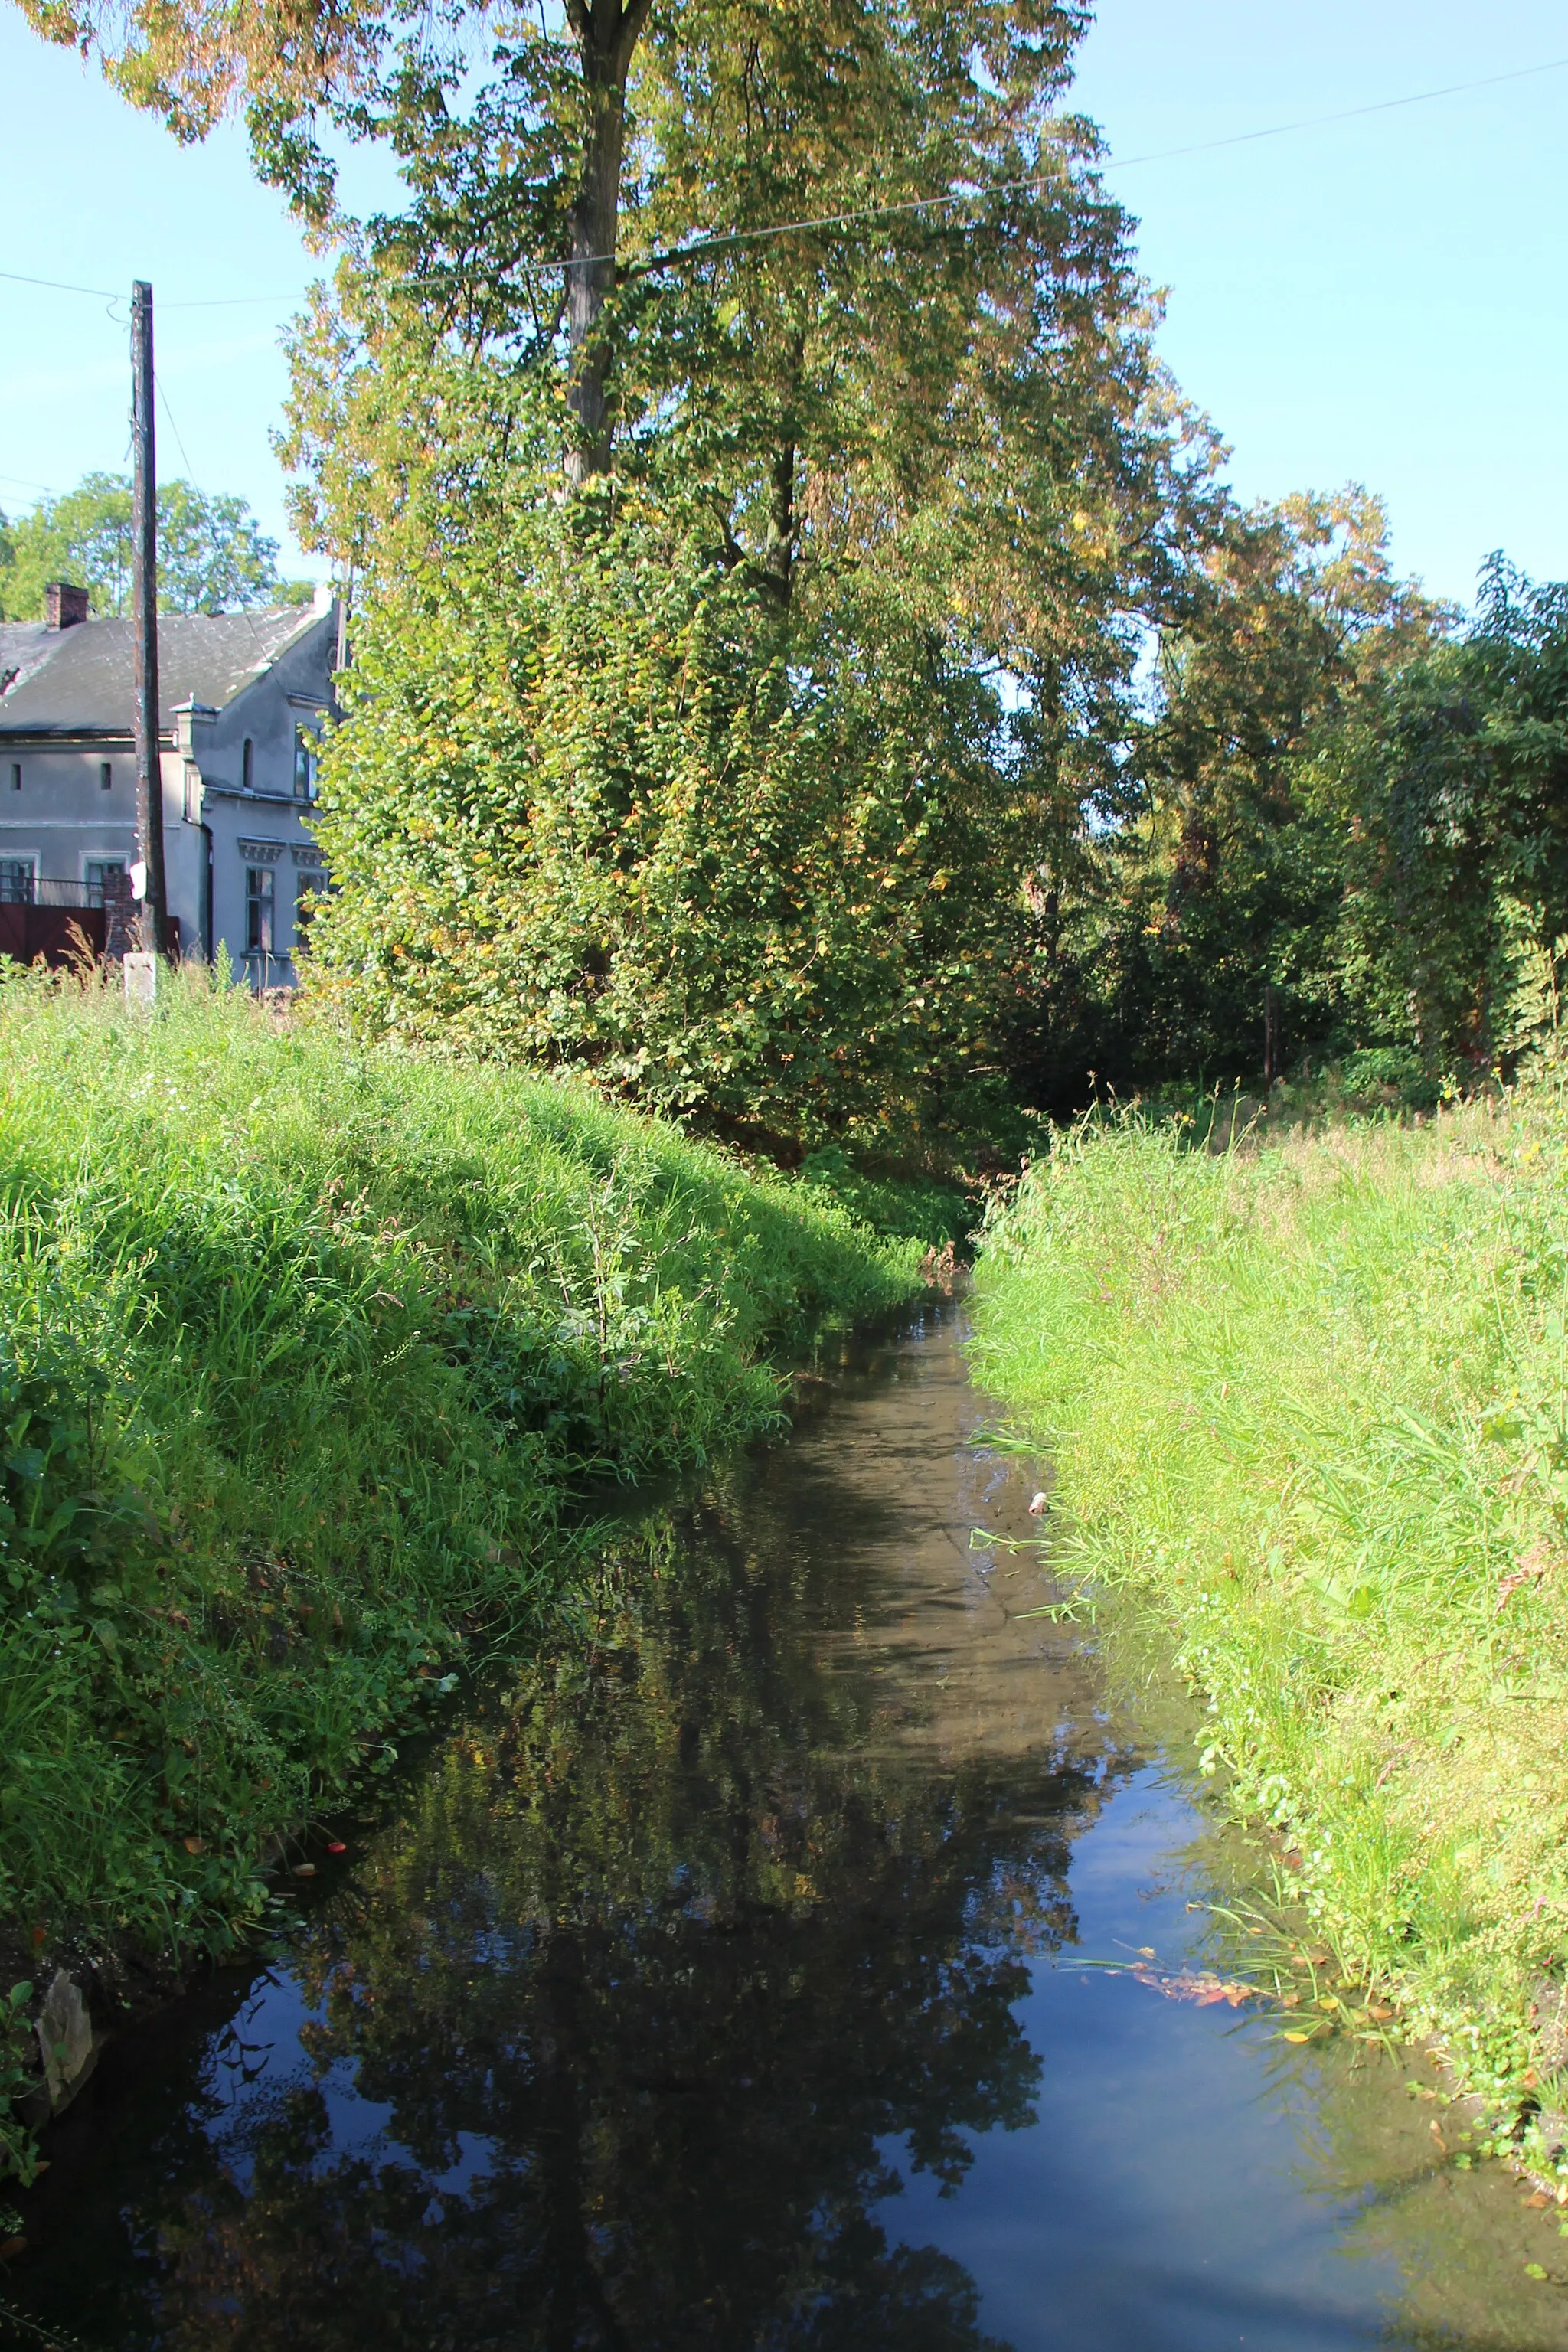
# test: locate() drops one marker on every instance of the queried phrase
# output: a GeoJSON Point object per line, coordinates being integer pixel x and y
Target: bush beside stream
{"type": "Point", "coordinates": [1310, 1400]}
{"type": "Point", "coordinates": [306, 1354]}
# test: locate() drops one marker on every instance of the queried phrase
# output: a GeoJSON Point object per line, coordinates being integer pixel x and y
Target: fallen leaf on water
{"type": "Point", "coordinates": [1539, 2198]}
{"type": "Point", "coordinates": [1146, 1951]}
{"type": "Point", "coordinates": [1199, 1985]}
{"type": "Point", "coordinates": [1293, 2033]}
{"type": "Point", "coordinates": [1531, 2270]}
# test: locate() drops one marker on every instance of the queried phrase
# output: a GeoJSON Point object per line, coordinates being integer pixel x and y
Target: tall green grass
{"type": "Point", "coordinates": [1312, 1400]}
{"type": "Point", "coordinates": [307, 1354]}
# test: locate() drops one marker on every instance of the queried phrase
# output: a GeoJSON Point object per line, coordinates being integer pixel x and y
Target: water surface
{"type": "Point", "coordinates": [719, 1980]}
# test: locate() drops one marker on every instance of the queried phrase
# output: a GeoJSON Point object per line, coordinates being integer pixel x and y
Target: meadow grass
{"type": "Point", "coordinates": [309, 1356]}
{"type": "Point", "coordinates": [1310, 1399]}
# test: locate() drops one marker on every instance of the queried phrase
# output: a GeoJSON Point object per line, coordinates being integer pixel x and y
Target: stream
{"type": "Point", "coordinates": [732, 1975]}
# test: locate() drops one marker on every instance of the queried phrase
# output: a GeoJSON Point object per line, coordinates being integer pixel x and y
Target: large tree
{"type": "Point", "coordinates": [724, 774]}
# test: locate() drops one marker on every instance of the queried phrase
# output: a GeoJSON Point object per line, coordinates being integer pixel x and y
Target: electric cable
{"type": "Point", "coordinates": [721, 239]}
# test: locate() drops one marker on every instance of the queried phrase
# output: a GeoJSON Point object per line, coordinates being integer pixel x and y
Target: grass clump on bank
{"type": "Point", "coordinates": [1313, 1399]}
{"type": "Point", "coordinates": [304, 1348]}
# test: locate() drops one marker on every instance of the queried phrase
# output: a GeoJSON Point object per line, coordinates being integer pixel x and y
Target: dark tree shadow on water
{"type": "Point", "coordinates": [610, 2034]}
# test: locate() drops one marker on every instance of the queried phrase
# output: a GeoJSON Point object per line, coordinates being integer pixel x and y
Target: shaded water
{"type": "Point", "coordinates": [719, 1981]}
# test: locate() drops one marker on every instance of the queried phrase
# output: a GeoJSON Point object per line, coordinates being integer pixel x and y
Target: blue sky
{"type": "Point", "coordinates": [1379, 301]}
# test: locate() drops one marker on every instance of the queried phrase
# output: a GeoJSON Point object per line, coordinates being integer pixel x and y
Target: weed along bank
{"type": "Point", "coordinates": [1305, 1402]}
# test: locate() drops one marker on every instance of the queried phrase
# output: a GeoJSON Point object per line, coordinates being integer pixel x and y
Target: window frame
{"type": "Point", "coordinates": [260, 910]}
{"type": "Point", "coordinates": [105, 866]}
{"type": "Point", "coordinates": [306, 761]}
{"type": "Point", "coordinates": [26, 861]}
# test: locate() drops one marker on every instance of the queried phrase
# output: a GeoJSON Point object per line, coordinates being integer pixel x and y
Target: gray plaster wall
{"type": "Point", "coordinates": [62, 820]}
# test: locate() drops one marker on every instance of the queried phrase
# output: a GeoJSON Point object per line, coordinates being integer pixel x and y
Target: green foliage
{"type": "Point", "coordinates": [1338, 830]}
{"type": "Point", "coordinates": [1194, 924]}
{"type": "Point", "coordinates": [912, 1208]}
{"type": "Point", "coordinates": [724, 776]}
{"type": "Point", "coordinates": [212, 555]}
{"type": "Point", "coordinates": [304, 1352]}
{"type": "Point", "coordinates": [723, 861]}
{"type": "Point", "coordinates": [1448, 782]}
{"type": "Point", "coordinates": [1309, 1400]}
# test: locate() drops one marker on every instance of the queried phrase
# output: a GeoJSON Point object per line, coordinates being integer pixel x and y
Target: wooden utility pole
{"type": "Point", "coordinates": [145, 624]}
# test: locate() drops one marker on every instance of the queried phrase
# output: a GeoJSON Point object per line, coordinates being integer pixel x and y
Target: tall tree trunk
{"type": "Point", "coordinates": [778, 559]}
{"type": "Point", "coordinates": [606, 33]}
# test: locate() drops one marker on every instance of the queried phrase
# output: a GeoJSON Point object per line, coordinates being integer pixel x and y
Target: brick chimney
{"type": "Point", "coordinates": [64, 605]}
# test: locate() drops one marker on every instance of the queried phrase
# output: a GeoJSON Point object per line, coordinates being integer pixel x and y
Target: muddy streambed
{"type": "Point", "coordinates": [722, 1980]}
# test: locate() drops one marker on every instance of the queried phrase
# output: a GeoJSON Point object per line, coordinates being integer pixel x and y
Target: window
{"type": "Point", "coordinates": [246, 762]}
{"type": "Point", "coordinates": [309, 889]}
{"type": "Point", "coordinates": [15, 775]}
{"type": "Point", "coordinates": [18, 881]}
{"type": "Point", "coordinates": [96, 869]}
{"type": "Point", "coordinates": [106, 774]}
{"type": "Point", "coordinates": [306, 752]}
{"type": "Point", "coordinates": [259, 910]}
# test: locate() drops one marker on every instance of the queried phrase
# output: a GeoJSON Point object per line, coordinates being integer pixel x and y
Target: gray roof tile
{"type": "Point", "coordinates": [81, 680]}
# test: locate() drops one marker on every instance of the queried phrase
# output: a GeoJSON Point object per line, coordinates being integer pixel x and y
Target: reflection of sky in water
{"type": "Point", "coordinates": [1160, 2203]}
{"type": "Point", "coordinates": [252, 2067]}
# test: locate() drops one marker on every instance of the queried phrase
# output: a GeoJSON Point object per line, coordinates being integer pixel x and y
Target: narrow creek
{"type": "Point", "coordinates": [725, 1981]}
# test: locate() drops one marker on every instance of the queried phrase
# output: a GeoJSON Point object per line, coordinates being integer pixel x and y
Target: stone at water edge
{"type": "Point", "coordinates": [65, 2038]}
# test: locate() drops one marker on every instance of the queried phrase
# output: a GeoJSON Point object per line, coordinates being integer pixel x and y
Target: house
{"type": "Point", "coordinates": [241, 701]}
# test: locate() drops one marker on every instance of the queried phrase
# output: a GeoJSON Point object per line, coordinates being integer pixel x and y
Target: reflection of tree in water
{"type": "Point", "coordinates": [666, 1944]}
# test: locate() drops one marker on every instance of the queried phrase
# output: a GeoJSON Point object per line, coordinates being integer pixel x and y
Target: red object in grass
{"type": "Point", "coordinates": [337, 1847]}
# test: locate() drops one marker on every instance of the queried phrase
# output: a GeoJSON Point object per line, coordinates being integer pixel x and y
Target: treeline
{"type": "Point", "coordinates": [213, 555]}
{"type": "Point", "coordinates": [809, 670]}
{"type": "Point", "coordinates": [1335, 829]}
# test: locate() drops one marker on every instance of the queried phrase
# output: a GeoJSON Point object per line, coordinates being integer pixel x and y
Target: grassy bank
{"type": "Point", "coordinates": [303, 1351]}
{"type": "Point", "coordinates": [1310, 1400]}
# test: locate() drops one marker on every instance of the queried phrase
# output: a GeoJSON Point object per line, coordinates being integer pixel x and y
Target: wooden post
{"type": "Point", "coordinates": [144, 624]}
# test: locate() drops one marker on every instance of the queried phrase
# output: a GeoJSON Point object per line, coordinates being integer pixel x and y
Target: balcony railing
{"type": "Point", "coordinates": [26, 888]}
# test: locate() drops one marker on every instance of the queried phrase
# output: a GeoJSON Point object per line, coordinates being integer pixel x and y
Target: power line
{"type": "Point", "coordinates": [55, 285]}
{"type": "Point", "coordinates": [108, 294]}
{"type": "Point", "coordinates": [1346, 114]}
{"type": "Point", "coordinates": [1020, 187]}
{"type": "Point", "coordinates": [721, 240]}
{"type": "Point", "coordinates": [179, 438]}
